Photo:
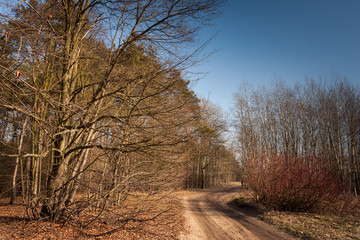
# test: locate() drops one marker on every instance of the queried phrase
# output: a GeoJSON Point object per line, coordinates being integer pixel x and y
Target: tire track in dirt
{"type": "Point", "coordinates": [211, 214]}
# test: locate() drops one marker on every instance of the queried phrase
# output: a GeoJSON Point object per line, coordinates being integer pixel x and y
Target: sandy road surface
{"type": "Point", "coordinates": [211, 215]}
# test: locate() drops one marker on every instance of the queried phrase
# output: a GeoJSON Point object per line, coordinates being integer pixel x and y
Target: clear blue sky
{"type": "Point", "coordinates": [261, 40]}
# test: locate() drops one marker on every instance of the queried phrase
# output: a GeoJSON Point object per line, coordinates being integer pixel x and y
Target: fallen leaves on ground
{"type": "Point", "coordinates": [14, 224]}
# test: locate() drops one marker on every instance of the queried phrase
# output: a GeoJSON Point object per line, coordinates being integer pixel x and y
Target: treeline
{"type": "Point", "coordinates": [315, 123]}
{"type": "Point", "coordinates": [93, 101]}
{"type": "Point", "coordinates": [211, 163]}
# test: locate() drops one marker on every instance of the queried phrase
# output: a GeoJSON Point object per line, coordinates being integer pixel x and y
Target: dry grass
{"type": "Point", "coordinates": [315, 226]}
{"type": "Point", "coordinates": [306, 225]}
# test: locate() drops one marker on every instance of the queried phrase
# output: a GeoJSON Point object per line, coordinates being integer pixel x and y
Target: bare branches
{"type": "Point", "coordinates": [109, 112]}
{"type": "Point", "coordinates": [313, 120]}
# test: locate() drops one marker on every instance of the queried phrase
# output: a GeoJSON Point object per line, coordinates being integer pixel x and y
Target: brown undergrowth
{"type": "Point", "coordinates": [162, 222]}
{"type": "Point", "coordinates": [335, 224]}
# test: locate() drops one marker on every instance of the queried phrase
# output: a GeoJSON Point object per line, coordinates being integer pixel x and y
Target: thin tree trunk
{"type": "Point", "coordinates": [13, 195]}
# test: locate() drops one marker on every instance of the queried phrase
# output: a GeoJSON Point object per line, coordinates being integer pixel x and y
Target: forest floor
{"type": "Point", "coordinates": [15, 224]}
{"type": "Point", "coordinates": [306, 225]}
{"type": "Point", "coordinates": [198, 214]}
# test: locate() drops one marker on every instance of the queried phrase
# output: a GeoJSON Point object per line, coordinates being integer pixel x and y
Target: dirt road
{"type": "Point", "coordinates": [211, 215]}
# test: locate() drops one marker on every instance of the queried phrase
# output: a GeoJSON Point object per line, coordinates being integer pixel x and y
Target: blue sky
{"type": "Point", "coordinates": [264, 40]}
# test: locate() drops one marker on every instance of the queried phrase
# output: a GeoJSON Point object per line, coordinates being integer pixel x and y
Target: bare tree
{"type": "Point", "coordinates": [314, 121]}
{"type": "Point", "coordinates": [100, 85]}
{"type": "Point", "coordinates": [210, 162]}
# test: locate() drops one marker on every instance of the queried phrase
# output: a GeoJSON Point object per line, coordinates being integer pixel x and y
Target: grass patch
{"type": "Point", "coordinates": [306, 225]}
{"type": "Point", "coordinates": [243, 202]}
{"type": "Point", "coordinates": [315, 226]}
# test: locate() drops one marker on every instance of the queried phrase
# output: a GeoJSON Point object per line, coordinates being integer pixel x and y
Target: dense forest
{"type": "Point", "coordinates": [299, 146]}
{"type": "Point", "coordinates": [95, 108]}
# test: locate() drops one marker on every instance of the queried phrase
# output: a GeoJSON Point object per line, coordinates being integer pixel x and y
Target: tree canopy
{"type": "Point", "coordinates": [96, 92]}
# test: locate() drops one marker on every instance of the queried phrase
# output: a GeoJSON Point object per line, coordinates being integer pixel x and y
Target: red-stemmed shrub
{"type": "Point", "coordinates": [292, 183]}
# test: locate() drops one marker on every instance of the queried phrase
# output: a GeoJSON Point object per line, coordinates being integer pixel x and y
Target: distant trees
{"type": "Point", "coordinates": [210, 162]}
{"type": "Point", "coordinates": [313, 121]}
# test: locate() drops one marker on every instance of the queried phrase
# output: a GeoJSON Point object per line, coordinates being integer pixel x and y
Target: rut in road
{"type": "Point", "coordinates": [211, 214]}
